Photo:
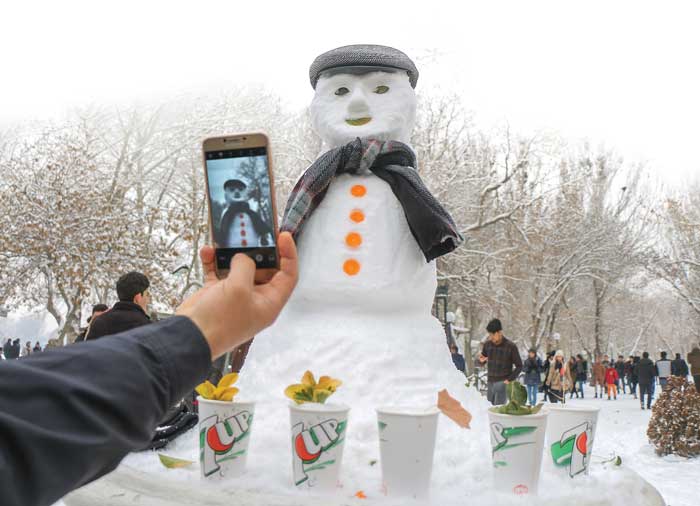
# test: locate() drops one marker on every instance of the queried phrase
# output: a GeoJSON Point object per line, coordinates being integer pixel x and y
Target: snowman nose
{"type": "Point", "coordinates": [358, 102]}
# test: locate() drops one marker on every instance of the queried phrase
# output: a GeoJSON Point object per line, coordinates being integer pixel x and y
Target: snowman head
{"type": "Point", "coordinates": [235, 190]}
{"type": "Point", "coordinates": [363, 91]}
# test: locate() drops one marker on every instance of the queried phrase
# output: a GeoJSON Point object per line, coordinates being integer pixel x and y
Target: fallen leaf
{"type": "Point", "coordinates": [453, 410]}
{"type": "Point", "coordinates": [173, 462]}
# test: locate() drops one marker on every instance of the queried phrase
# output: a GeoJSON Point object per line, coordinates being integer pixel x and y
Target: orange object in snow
{"type": "Point", "coordinates": [351, 267]}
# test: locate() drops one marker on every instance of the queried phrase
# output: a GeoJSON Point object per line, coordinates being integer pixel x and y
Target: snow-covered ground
{"type": "Point", "coordinates": [621, 431]}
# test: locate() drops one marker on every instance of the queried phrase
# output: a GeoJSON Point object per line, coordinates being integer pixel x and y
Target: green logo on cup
{"type": "Point", "coordinates": [501, 439]}
{"type": "Point", "coordinates": [572, 449]}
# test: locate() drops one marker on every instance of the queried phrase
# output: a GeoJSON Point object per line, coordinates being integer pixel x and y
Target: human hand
{"type": "Point", "coordinates": [231, 311]}
{"type": "Point", "coordinates": [483, 359]}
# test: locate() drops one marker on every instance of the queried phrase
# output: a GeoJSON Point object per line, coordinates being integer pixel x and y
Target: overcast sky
{"type": "Point", "coordinates": [625, 73]}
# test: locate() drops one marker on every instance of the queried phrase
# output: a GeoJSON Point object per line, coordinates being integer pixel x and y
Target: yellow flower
{"type": "Point", "coordinates": [310, 391]}
{"type": "Point", "coordinates": [223, 391]}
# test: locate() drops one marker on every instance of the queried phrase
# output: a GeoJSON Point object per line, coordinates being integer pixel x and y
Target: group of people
{"type": "Point", "coordinates": [556, 376]}
{"type": "Point", "coordinates": [13, 349]}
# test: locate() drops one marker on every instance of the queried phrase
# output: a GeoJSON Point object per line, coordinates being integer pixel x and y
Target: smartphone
{"type": "Point", "coordinates": [241, 201]}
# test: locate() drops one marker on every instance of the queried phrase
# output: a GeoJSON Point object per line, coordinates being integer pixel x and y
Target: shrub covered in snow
{"type": "Point", "coordinates": [675, 422]}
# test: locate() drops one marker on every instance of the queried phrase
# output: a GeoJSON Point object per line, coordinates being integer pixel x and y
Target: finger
{"type": "Point", "coordinates": [208, 257]}
{"type": "Point", "coordinates": [280, 287]}
{"type": "Point", "coordinates": [242, 272]}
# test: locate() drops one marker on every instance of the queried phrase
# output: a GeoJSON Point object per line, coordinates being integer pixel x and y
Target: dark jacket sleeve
{"type": "Point", "coordinates": [517, 362]}
{"type": "Point", "coordinates": [69, 415]}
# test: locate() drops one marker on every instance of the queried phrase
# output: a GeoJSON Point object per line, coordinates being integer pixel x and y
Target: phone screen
{"type": "Point", "coordinates": [241, 206]}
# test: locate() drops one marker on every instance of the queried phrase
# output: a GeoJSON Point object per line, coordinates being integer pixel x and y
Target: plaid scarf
{"type": "Point", "coordinates": [393, 162]}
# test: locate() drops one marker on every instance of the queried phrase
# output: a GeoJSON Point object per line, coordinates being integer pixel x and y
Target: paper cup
{"type": "Point", "coordinates": [517, 444]}
{"type": "Point", "coordinates": [570, 434]}
{"type": "Point", "coordinates": [224, 434]}
{"type": "Point", "coordinates": [318, 438]}
{"type": "Point", "coordinates": [406, 447]}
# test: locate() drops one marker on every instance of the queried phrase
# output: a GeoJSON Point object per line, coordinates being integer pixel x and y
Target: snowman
{"type": "Point", "coordinates": [240, 225]}
{"type": "Point", "coordinates": [367, 232]}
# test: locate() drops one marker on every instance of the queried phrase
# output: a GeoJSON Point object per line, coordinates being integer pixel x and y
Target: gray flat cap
{"type": "Point", "coordinates": [365, 56]}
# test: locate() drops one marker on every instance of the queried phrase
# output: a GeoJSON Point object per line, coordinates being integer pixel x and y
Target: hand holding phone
{"type": "Point", "coordinates": [240, 194]}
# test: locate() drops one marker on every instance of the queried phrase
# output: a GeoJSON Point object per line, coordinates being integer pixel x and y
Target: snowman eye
{"type": "Point", "coordinates": [342, 91]}
{"type": "Point", "coordinates": [381, 89]}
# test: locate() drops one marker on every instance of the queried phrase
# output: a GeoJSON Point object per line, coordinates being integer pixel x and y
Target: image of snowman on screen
{"type": "Point", "coordinates": [241, 225]}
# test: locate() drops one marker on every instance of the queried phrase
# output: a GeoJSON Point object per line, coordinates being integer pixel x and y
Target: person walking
{"type": "Point", "coordinates": [629, 364]}
{"type": "Point", "coordinates": [545, 372]}
{"type": "Point", "coordinates": [611, 380]}
{"type": "Point", "coordinates": [27, 350]}
{"type": "Point", "coordinates": [557, 379]}
{"type": "Point", "coordinates": [646, 375]}
{"type": "Point", "coordinates": [130, 312]}
{"type": "Point", "coordinates": [679, 367]}
{"type": "Point", "coordinates": [37, 347]}
{"type": "Point", "coordinates": [532, 368]}
{"type": "Point", "coordinates": [663, 369]}
{"type": "Point", "coordinates": [503, 361]}
{"type": "Point", "coordinates": [633, 375]}
{"type": "Point", "coordinates": [694, 361]}
{"type": "Point", "coordinates": [581, 373]}
{"type": "Point", "coordinates": [598, 377]}
{"type": "Point", "coordinates": [457, 359]}
{"type": "Point", "coordinates": [7, 349]}
{"type": "Point", "coordinates": [572, 371]}
{"type": "Point", "coordinates": [620, 368]}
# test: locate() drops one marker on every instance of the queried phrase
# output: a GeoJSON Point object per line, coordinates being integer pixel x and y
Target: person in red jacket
{"type": "Point", "coordinates": [611, 378]}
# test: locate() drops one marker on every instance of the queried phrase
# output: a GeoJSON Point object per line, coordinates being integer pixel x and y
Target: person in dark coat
{"type": "Point", "coordinates": [97, 310]}
{"type": "Point", "coordinates": [130, 312]}
{"type": "Point", "coordinates": [572, 371]}
{"type": "Point", "coordinates": [504, 362]}
{"type": "Point", "coordinates": [457, 359]}
{"type": "Point", "coordinates": [646, 375]}
{"type": "Point", "coordinates": [7, 349]}
{"type": "Point", "coordinates": [88, 422]}
{"type": "Point", "coordinates": [15, 349]}
{"type": "Point", "coordinates": [679, 367]}
{"type": "Point", "coordinates": [545, 370]}
{"type": "Point", "coordinates": [532, 367]}
{"type": "Point", "coordinates": [37, 347]}
{"type": "Point", "coordinates": [694, 361]}
{"type": "Point", "coordinates": [581, 373]}
{"type": "Point", "coordinates": [631, 375]}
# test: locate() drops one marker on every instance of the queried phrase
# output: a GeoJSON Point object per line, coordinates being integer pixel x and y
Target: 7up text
{"type": "Point", "coordinates": [217, 439]}
{"type": "Point", "coordinates": [311, 446]}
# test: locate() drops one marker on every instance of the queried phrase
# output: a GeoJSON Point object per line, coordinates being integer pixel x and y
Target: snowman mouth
{"type": "Point", "coordinates": [358, 121]}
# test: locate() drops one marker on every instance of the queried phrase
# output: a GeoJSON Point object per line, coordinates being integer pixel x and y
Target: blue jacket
{"type": "Point", "coordinates": [532, 368]}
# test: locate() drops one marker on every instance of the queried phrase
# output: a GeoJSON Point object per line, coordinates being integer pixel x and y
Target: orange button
{"type": "Point", "coordinates": [351, 267]}
{"type": "Point", "coordinates": [358, 190]}
{"type": "Point", "coordinates": [357, 216]}
{"type": "Point", "coordinates": [353, 239]}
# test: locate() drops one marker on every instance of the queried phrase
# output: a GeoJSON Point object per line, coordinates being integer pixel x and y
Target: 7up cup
{"type": "Point", "coordinates": [318, 437]}
{"type": "Point", "coordinates": [570, 433]}
{"type": "Point", "coordinates": [224, 433]}
{"type": "Point", "coordinates": [517, 443]}
{"type": "Point", "coordinates": [406, 446]}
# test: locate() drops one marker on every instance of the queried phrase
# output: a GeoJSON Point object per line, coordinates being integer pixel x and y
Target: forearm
{"type": "Point", "coordinates": [78, 410]}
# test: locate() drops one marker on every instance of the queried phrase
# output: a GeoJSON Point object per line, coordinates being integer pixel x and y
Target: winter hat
{"type": "Point", "coordinates": [235, 183]}
{"type": "Point", "coordinates": [362, 58]}
{"type": "Point", "coordinates": [559, 353]}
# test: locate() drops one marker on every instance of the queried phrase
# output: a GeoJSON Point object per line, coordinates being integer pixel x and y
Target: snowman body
{"type": "Point", "coordinates": [241, 231]}
{"type": "Point", "coordinates": [361, 311]}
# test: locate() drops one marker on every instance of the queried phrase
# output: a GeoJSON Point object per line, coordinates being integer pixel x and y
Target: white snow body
{"type": "Point", "coordinates": [374, 329]}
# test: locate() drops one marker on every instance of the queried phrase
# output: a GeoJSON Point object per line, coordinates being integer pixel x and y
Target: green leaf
{"type": "Point", "coordinates": [173, 462]}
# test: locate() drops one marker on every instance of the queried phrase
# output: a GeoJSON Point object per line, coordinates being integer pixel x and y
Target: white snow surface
{"type": "Point", "coordinates": [462, 467]}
